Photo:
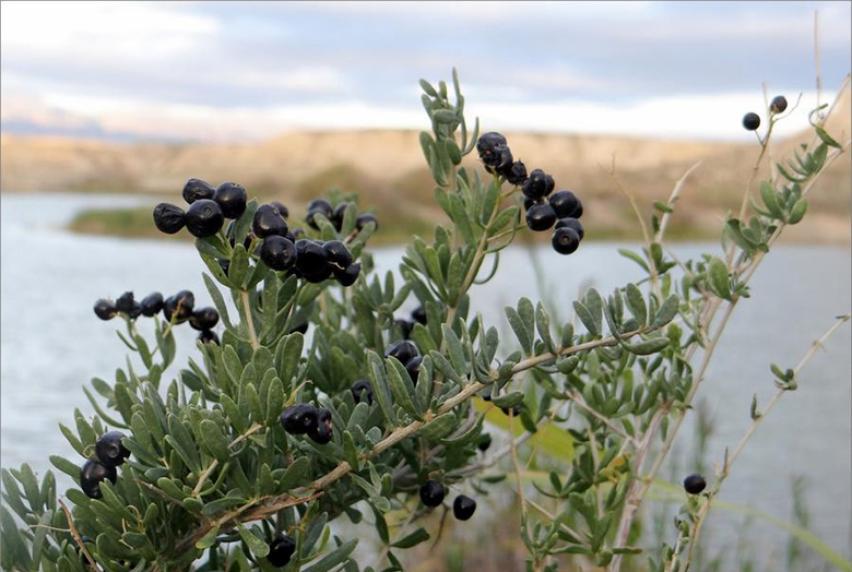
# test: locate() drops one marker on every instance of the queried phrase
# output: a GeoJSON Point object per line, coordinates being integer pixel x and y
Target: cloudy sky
{"type": "Point", "coordinates": [235, 71]}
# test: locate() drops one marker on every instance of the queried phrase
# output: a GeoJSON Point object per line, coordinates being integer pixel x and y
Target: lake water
{"type": "Point", "coordinates": [52, 344]}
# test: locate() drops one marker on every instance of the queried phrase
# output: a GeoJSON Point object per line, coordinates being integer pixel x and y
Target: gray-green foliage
{"type": "Point", "coordinates": [213, 476]}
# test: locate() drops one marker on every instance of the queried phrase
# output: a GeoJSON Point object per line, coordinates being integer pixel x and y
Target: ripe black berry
{"type": "Point", "coordinates": [278, 252]}
{"type": "Point", "coordinates": [494, 152]}
{"type": "Point", "coordinates": [362, 391]}
{"type": "Point", "coordinates": [179, 306]}
{"type": "Point", "coordinates": [694, 484]}
{"type": "Point", "coordinates": [196, 189]}
{"type": "Point", "coordinates": [538, 185]}
{"type": "Point", "coordinates": [779, 104]}
{"type": "Point", "coordinates": [231, 198]}
{"type": "Point", "coordinates": [338, 215]}
{"type": "Point", "coordinates": [566, 204]}
{"type": "Point", "coordinates": [135, 311]}
{"type": "Point", "coordinates": [413, 368]}
{"type": "Point", "coordinates": [322, 432]}
{"type": "Point", "coordinates": [299, 419]}
{"type": "Point", "coordinates": [484, 442]}
{"type": "Point", "coordinates": [204, 319]}
{"type": "Point", "coordinates": [124, 303]}
{"type": "Point", "coordinates": [315, 207]}
{"type": "Point", "coordinates": [463, 507]}
{"type": "Point", "coordinates": [208, 337]}
{"type": "Point", "coordinates": [348, 275]}
{"type": "Point", "coordinates": [419, 315]}
{"type": "Point", "coordinates": [169, 218]}
{"type": "Point", "coordinates": [404, 351]}
{"type": "Point", "coordinates": [312, 261]}
{"type": "Point", "coordinates": [516, 173]}
{"type": "Point", "coordinates": [565, 240]}
{"type": "Point", "coordinates": [204, 218]}
{"type": "Point", "coordinates": [268, 221]}
{"type": "Point", "coordinates": [105, 310]}
{"type": "Point", "coordinates": [91, 476]}
{"type": "Point", "coordinates": [751, 121]}
{"type": "Point", "coordinates": [540, 217]}
{"type": "Point", "coordinates": [432, 493]}
{"type": "Point", "coordinates": [109, 449]}
{"type": "Point", "coordinates": [365, 218]}
{"type": "Point", "coordinates": [337, 253]}
{"type": "Point", "coordinates": [282, 208]}
{"type": "Point", "coordinates": [281, 550]}
{"type": "Point", "coordinates": [405, 327]}
{"type": "Point", "coordinates": [572, 223]}
{"type": "Point", "coordinates": [152, 304]}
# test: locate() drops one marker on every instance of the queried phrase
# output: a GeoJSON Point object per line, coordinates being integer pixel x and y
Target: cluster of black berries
{"type": "Point", "coordinates": [208, 208]}
{"type": "Point", "coordinates": [335, 215]}
{"type": "Point", "coordinates": [418, 315]}
{"type": "Point", "coordinates": [751, 120]}
{"type": "Point", "coordinates": [305, 419]}
{"type": "Point", "coordinates": [432, 494]}
{"type": "Point", "coordinates": [544, 210]}
{"type": "Point", "coordinates": [180, 308]}
{"type": "Point", "coordinates": [109, 454]}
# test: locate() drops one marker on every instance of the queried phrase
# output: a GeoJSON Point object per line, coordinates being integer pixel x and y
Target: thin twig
{"type": "Point", "coordinates": [76, 535]}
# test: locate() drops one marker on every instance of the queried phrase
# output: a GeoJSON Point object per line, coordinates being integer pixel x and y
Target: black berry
{"type": "Point", "coordinates": [169, 218]}
{"type": "Point", "coordinates": [494, 152]}
{"type": "Point", "coordinates": [299, 419]}
{"type": "Point", "coordinates": [337, 253]}
{"type": "Point", "coordinates": [278, 252]}
{"type": "Point", "coordinates": [779, 104]}
{"type": "Point", "coordinates": [405, 327]}
{"type": "Point", "coordinates": [419, 315]}
{"type": "Point", "coordinates": [322, 432]}
{"type": "Point", "coordinates": [540, 217]}
{"type": "Point", "coordinates": [565, 240]}
{"type": "Point", "coordinates": [196, 189]}
{"type": "Point", "coordinates": [312, 261]}
{"type": "Point", "coordinates": [751, 121]}
{"type": "Point", "coordinates": [572, 223]}
{"type": "Point", "coordinates": [413, 368]}
{"type": "Point", "coordinates": [204, 319]}
{"type": "Point", "coordinates": [124, 303]}
{"type": "Point", "coordinates": [179, 306]}
{"type": "Point", "coordinates": [135, 310]}
{"type": "Point", "coordinates": [315, 207]}
{"type": "Point", "coordinates": [281, 550]}
{"type": "Point", "coordinates": [432, 493]}
{"type": "Point", "coordinates": [301, 328]}
{"type": "Point", "coordinates": [538, 185]}
{"type": "Point", "coordinates": [348, 275]}
{"type": "Point", "coordinates": [463, 507]}
{"type": "Point", "coordinates": [362, 391]}
{"type": "Point", "coordinates": [404, 351]}
{"type": "Point", "coordinates": [204, 218]}
{"type": "Point", "coordinates": [282, 208]}
{"type": "Point", "coordinates": [338, 215]}
{"type": "Point", "coordinates": [91, 476]}
{"type": "Point", "coordinates": [152, 304]}
{"type": "Point", "coordinates": [105, 310]}
{"type": "Point", "coordinates": [484, 442]}
{"type": "Point", "coordinates": [694, 484]}
{"type": "Point", "coordinates": [208, 337]}
{"type": "Point", "coordinates": [365, 218]}
{"type": "Point", "coordinates": [268, 221]}
{"type": "Point", "coordinates": [516, 173]}
{"type": "Point", "coordinates": [109, 449]}
{"type": "Point", "coordinates": [566, 204]}
{"type": "Point", "coordinates": [231, 198]}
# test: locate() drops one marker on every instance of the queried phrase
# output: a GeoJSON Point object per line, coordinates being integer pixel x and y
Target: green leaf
{"type": "Point", "coordinates": [381, 391]}
{"type": "Point", "coordinates": [647, 347]}
{"type": "Point", "coordinates": [770, 199]}
{"type": "Point", "coordinates": [798, 211]}
{"type": "Point", "coordinates": [719, 281]}
{"type": "Point", "coordinates": [455, 349]}
{"type": "Point", "coordinates": [636, 303]}
{"type": "Point", "coordinates": [401, 386]}
{"type": "Point", "coordinates": [635, 258]}
{"type": "Point", "coordinates": [413, 539]}
{"type": "Point", "coordinates": [666, 313]}
{"type": "Point", "coordinates": [587, 319]}
{"type": "Point", "coordinates": [214, 440]}
{"type": "Point", "coordinates": [439, 427]}
{"type": "Point", "coordinates": [524, 336]}
{"type": "Point", "coordinates": [208, 539]}
{"type": "Point", "coordinates": [826, 138]}
{"type": "Point", "coordinates": [509, 399]}
{"type": "Point", "coordinates": [257, 545]}
{"type": "Point", "coordinates": [295, 474]}
{"type": "Point", "coordinates": [333, 558]}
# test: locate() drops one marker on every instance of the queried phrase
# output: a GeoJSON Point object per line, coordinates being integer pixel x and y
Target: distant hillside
{"type": "Point", "coordinates": [387, 169]}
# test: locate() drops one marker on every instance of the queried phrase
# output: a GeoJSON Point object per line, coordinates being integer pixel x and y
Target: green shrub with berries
{"type": "Point", "coordinates": [315, 400]}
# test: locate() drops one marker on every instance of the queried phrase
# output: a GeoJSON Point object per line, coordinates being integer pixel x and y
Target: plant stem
{"type": "Point", "coordinates": [244, 298]}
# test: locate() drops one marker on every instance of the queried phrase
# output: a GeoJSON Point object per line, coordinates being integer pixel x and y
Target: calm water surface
{"type": "Point", "coordinates": [52, 344]}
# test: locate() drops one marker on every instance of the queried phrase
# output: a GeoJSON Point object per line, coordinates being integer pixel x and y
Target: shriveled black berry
{"type": "Point", "coordinates": [694, 484]}
{"type": "Point", "coordinates": [179, 306]}
{"type": "Point", "coordinates": [516, 173]}
{"type": "Point", "coordinates": [135, 311]}
{"type": "Point", "coordinates": [299, 419]}
{"type": "Point", "coordinates": [404, 351]}
{"type": "Point", "coordinates": [565, 240]}
{"type": "Point", "coordinates": [348, 275]}
{"type": "Point", "coordinates": [196, 189]}
{"type": "Point", "coordinates": [152, 304]}
{"type": "Point", "coordinates": [538, 185]}
{"type": "Point", "coordinates": [365, 218]}
{"type": "Point", "coordinates": [169, 218]}
{"type": "Point", "coordinates": [268, 221]}
{"type": "Point", "coordinates": [231, 198]}
{"type": "Point", "coordinates": [315, 207]}
{"type": "Point", "coordinates": [92, 474]}
{"type": "Point", "coordinates": [338, 215]}
{"type": "Point", "coordinates": [413, 368]}
{"type": "Point", "coordinates": [572, 223]}
{"type": "Point", "coordinates": [494, 152]}
{"type": "Point", "coordinates": [322, 432]}
{"type": "Point", "coordinates": [751, 121]}
{"type": "Point", "coordinates": [540, 217]}
{"type": "Point", "coordinates": [463, 507]}
{"type": "Point", "coordinates": [105, 310]}
{"type": "Point", "coordinates": [419, 315]}
{"type": "Point", "coordinates": [281, 550]}
{"type": "Point", "coordinates": [124, 303]}
{"type": "Point", "coordinates": [432, 493]}
{"type": "Point", "coordinates": [779, 104]}
{"type": "Point", "coordinates": [312, 261]}
{"type": "Point", "coordinates": [204, 218]}
{"type": "Point", "coordinates": [208, 337]}
{"type": "Point", "coordinates": [282, 209]}
{"type": "Point", "coordinates": [204, 319]}
{"type": "Point", "coordinates": [405, 327]}
{"type": "Point", "coordinates": [277, 252]}
{"type": "Point", "coordinates": [109, 449]}
{"type": "Point", "coordinates": [337, 253]}
{"type": "Point", "coordinates": [362, 391]}
{"type": "Point", "coordinates": [484, 442]}
{"type": "Point", "coordinates": [566, 204]}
